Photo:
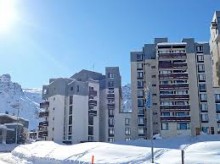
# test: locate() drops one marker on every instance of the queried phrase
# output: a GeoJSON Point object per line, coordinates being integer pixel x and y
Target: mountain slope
{"type": "Point", "coordinates": [15, 101]}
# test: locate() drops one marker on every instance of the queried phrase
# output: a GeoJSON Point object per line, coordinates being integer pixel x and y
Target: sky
{"type": "Point", "coordinates": [42, 39]}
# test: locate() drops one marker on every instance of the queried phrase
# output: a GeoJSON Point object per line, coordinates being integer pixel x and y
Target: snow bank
{"type": "Point", "coordinates": [201, 149]}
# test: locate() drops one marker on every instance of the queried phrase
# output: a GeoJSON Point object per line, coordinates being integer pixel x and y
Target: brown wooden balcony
{"type": "Point", "coordinates": [44, 114]}
{"type": "Point", "coordinates": [175, 118]}
{"type": "Point", "coordinates": [44, 104]}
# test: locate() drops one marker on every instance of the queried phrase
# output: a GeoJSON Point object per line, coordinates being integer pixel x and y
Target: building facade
{"type": "Point", "coordinates": [84, 107]}
{"type": "Point", "coordinates": [179, 78]}
{"type": "Point", "coordinates": [215, 47]}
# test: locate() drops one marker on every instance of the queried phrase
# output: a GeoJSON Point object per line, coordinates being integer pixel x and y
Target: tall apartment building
{"type": "Point", "coordinates": [215, 47]}
{"type": "Point", "coordinates": [84, 107]}
{"type": "Point", "coordinates": [179, 76]}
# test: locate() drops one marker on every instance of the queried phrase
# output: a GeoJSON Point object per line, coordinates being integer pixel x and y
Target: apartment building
{"type": "Point", "coordinates": [179, 77]}
{"type": "Point", "coordinates": [84, 107]}
{"type": "Point", "coordinates": [215, 47]}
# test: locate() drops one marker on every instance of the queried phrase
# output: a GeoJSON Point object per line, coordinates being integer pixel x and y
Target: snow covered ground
{"type": "Point", "coordinates": [201, 149]}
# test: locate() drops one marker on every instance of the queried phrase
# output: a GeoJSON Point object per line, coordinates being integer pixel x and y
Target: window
{"type": "Point", "coordinates": [90, 130]}
{"type": "Point", "coordinates": [204, 117]}
{"type": "Point", "coordinates": [205, 129]}
{"type": "Point", "coordinates": [203, 107]}
{"type": "Point", "coordinates": [154, 85]}
{"type": "Point", "coordinates": [140, 66]}
{"type": "Point", "coordinates": [140, 84]}
{"type": "Point", "coordinates": [127, 121]}
{"type": "Point", "coordinates": [203, 97]}
{"type": "Point", "coordinates": [183, 126]}
{"type": "Point", "coordinates": [140, 102]}
{"type": "Point", "coordinates": [71, 88]}
{"type": "Point", "coordinates": [111, 112]}
{"type": "Point", "coordinates": [140, 120]}
{"type": "Point", "coordinates": [217, 97]}
{"type": "Point", "coordinates": [201, 68]}
{"type": "Point", "coordinates": [165, 114]}
{"type": "Point", "coordinates": [218, 116]}
{"type": "Point", "coordinates": [111, 140]}
{"type": "Point", "coordinates": [111, 84]}
{"type": "Point", "coordinates": [201, 78]}
{"type": "Point", "coordinates": [200, 58]}
{"type": "Point", "coordinates": [153, 76]}
{"type": "Point", "coordinates": [111, 75]}
{"type": "Point", "coordinates": [70, 110]}
{"type": "Point", "coordinates": [139, 57]}
{"type": "Point", "coordinates": [140, 75]}
{"type": "Point", "coordinates": [127, 131]}
{"type": "Point", "coordinates": [141, 130]}
{"type": "Point", "coordinates": [199, 48]}
{"type": "Point", "coordinates": [154, 103]}
{"type": "Point", "coordinates": [91, 120]}
{"type": "Point", "coordinates": [71, 100]}
{"type": "Point", "coordinates": [202, 87]}
{"type": "Point", "coordinates": [140, 93]}
{"type": "Point", "coordinates": [111, 122]}
{"type": "Point", "coordinates": [141, 111]}
{"type": "Point", "coordinates": [77, 88]}
{"type": "Point", "coordinates": [70, 130]}
{"type": "Point", "coordinates": [153, 67]}
{"type": "Point", "coordinates": [217, 105]}
{"type": "Point", "coordinates": [70, 120]}
{"type": "Point", "coordinates": [164, 126]}
{"type": "Point", "coordinates": [111, 131]}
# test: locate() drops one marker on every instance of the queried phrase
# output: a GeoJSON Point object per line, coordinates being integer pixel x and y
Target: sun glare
{"type": "Point", "coordinates": [8, 14]}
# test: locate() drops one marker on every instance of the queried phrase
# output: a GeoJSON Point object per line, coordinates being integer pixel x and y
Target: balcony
{"type": "Point", "coordinates": [175, 96]}
{"type": "Point", "coordinates": [44, 114]}
{"type": "Point", "coordinates": [92, 93]}
{"type": "Point", "coordinates": [172, 66]}
{"type": "Point", "coordinates": [177, 107]}
{"type": "Point", "coordinates": [92, 103]}
{"type": "Point", "coordinates": [93, 112]}
{"type": "Point", "coordinates": [214, 25]}
{"type": "Point", "coordinates": [44, 104]}
{"type": "Point", "coordinates": [44, 123]}
{"type": "Point", "coordinates": [43, 134]}
{"type": "Point", "coordinates": [110, 95]}
{"type": "Point", "coordinates": [174, 86]}
{"type": "Point", "coordinates": [172, 56]}
{"type": "Point", "coordinates": [174, 76]}
{"type": "Point", "coordinates": [175, 118]}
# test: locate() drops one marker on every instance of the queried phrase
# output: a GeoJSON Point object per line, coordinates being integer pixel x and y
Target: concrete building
{"type": "Point", "coordinates": [9, 126]}
{"type": "Point", "coordinates": [84, 107]}
{"type": "Point", "coordinates": [215, 47]}
{"type": "Point", "coordinates": [179, 76]}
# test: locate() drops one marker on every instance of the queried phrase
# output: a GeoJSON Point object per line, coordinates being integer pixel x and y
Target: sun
{"type": "Point", "coordinates": [8, 14]}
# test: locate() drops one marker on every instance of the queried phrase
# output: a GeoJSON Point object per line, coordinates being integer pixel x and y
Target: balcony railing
{"type": "Point", "coordinates": [178, 107]}
{"type": "Point", "coordinates": [180, 65]}
{"type": "Point", "coordinates": [175, 96]}
{"type": "Point", "coordinates": [44, 123]}
{"type": "Point", "coordinates": [175, 118]}
{"type": "Point", "coordinates": [44, 114]}
{"type": "Point", "coordinates": [44, 104]}
{"type": "Point", "coordinates": [93, 112]}
{"type": "Point", "coordinates": [174, 86]}
{"type": "Point", "coordinates": [172, 56]}
{"type": "Point", "coordinates": [110, 95]}
{"type": "Point", "coordinates": [92, 102]}
{"type": "Point", "coordinates": [43, 134]}
{"type": "Point", "coordinates": [174, 76]}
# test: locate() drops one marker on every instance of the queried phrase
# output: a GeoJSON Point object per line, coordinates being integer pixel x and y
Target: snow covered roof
{"type": "Point", "coordinates": [14, 123]}
{"type": "Point", "coordinates": [174, 43]}
{"type": "Point", "coordinates": [3, 126]}
{"type": "Point", "coordinates": [12, 117]}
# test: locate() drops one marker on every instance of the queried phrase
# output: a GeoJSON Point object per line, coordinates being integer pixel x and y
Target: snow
{"type": "Point", "coordinates": [200, 149]}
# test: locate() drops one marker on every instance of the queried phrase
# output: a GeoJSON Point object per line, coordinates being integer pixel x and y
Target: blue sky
{"type": "Point", "coordinates": [57, 38]}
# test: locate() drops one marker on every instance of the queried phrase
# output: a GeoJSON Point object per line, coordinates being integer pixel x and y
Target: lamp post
{"type": "Point", "coordinates": [150, 114]}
